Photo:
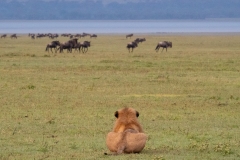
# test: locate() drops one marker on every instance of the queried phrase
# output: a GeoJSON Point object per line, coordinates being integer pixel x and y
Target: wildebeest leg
{"type": "Point", "coordinates": [56, 49]}
{"type": "Point", "coordinates": [162, 48]}
{"type": "Point", "coordinates": [61, 49]}
{"type": "Point", "coordinates": [157, 48]}
{"type": "Point", "coordinates": [69, 50]}
{"type": "Point", "coordinates": [86, 49]}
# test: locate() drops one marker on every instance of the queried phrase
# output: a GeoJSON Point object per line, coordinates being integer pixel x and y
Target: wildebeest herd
{"type": "Point", "coordinates": [69, 45]}
{"type": "Point", "coordinates": [83, 46]}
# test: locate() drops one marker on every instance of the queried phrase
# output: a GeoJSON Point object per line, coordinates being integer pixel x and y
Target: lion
{"type": "Point", "coordinates": [127, 135]}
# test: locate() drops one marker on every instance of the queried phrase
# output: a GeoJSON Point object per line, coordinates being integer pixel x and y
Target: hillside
{"type": "Point", "coordinates": [97, 10]}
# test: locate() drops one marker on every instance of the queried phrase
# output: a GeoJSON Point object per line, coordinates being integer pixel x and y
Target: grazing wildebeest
{"type": "Point", "coordinates": [131, 45]}
{"type": "Point", "coordinates": [51, 45]}
{"type": "Point", "coordinates": [129, 35]}
{"type": "Point", "coordinates": [68, 45]}
{"type": "Point", "coordinates": [140, 40]}
{"type": "Point", "coordinates": [13, 36]}
{"type": "Point", "coordinates": [3, 36]}
{"type": "Point", "coordinates": [93, 35]}
{"type": "Point", "coordinates": [164, 44]}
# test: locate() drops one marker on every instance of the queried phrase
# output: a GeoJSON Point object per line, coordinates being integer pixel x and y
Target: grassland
{"type": "Point", "coordinates": [61, 106]}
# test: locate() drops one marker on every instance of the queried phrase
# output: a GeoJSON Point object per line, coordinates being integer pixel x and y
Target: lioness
{"type": "Point", "coordinates": [127, 135]}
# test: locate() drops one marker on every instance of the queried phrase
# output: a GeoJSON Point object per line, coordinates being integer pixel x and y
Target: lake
{"type": "Point", "coordinates": [135, 26]}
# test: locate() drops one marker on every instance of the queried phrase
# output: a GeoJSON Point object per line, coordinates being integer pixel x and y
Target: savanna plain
{"type": "Point", "coordinates": [61, 105]}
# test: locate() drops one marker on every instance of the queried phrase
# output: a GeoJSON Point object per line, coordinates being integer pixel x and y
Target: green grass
{"type": "Point", "coordinates": [61, 106]}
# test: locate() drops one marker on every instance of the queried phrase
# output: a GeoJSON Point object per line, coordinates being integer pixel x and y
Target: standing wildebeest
{"type": "Point", "coordinates": [131, 45]}
{"type": "Point", "coordinates": [3, 36]}
{"type": "Point", "coordinates": [52, 36]}
{"type": "Point", "coordinates": [51, 45]}
{"type": "Point", "coordinates": [164, 44]}
{"type": "Point", "coordinates": [83, 46]}
{"type": "Point", "coordinates": [13, 36]}
{"type": "Point", "coordinates": [129, 35]}
{"type": "Point", "coordinates": [68, 45]}
{"type": "Point", "coordinates": [86, 34]}
{"type": "Point", "coordinates": [40, 35]}
{"type": "Point", "coordinates": [65, 35]}
{"type": "Point", "coordinates": [31, 35]}
{"type": "Point", "coordinates": [140, 40]}
{"type": "Point", "coordinates": [93, 35]}
{"type": "Point", "coordinates": [78, 36]}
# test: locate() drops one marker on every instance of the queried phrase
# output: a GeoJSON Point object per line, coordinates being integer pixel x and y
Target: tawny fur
{"type": "Point", "coordinates": [127, 135]}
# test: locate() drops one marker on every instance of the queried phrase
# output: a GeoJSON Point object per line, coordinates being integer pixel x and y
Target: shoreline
{"type": "Point", "coordinates": [152, 33]}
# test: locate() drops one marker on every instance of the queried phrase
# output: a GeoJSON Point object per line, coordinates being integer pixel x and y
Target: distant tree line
{"type": "Point", "coordinates": [90, 10]}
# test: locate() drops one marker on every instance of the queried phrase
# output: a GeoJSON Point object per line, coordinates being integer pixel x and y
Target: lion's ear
{"type": "Point", "coordinates": [116, 114]}
{"type": "Point", "coordinates": [137, 113]}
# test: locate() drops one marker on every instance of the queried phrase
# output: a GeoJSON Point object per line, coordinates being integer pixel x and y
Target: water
{"type": "Point", "coordinates": [168, 26]}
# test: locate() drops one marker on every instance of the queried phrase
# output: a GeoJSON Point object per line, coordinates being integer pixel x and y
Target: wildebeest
{"type": "Point", "coordinates": [78, 36]}
{"type": "Point", "coordinates": [86, 34]}
{"type": "Point", "coordinates": [140, 40]}
{"type": "Point", "coordinates": [129, 35]}
{"type": "Point", "coordinates": [68, 45]}
{"type": "Point", "coordinates": [40, 35]}
{"type": "Point", "coordinates": [51, 45]}
{"type": "Point", "coordinates": [65, 35]}
{"type": "Point", "coordinates": [4, 36]}
{"type": "Point", "coordinates": [32, 35]}
{"type": "Point", "coordinates": [93, 35]}
{"type": "Point", "coordinates": [131, 45]}
{"type": "Point", "coordinates": [164, 44]}
{"type": "Point", "coordinates": [13, 36]}
{"type": "Point", "coordinates": [83, 46]}
{"type": "Point", "coordinates": [52, 36]}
